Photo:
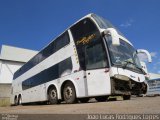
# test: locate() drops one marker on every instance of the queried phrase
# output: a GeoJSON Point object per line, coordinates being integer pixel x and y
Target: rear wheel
{"type": "Point", "coordinates": [102, 98]}
{"type": "Point", "coordinates": [126, 97]}
{"type": "Point", "coordinates": [69, 93]}
{"type": "Point", "coordinates": [15, 101]}
{"type": "Point", "coordinates": [19, 100]}
{"type": "Point", "coordinates": [52, 96]}
{"type": "Point", "coordinates": [84, 100]}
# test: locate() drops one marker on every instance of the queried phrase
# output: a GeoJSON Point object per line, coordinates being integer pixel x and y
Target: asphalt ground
{"type": "Point", "coordinates": [137, 105]}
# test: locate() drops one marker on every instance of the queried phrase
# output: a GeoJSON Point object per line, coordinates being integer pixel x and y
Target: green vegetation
{"type": "Point", "coordinates": [4, 102]}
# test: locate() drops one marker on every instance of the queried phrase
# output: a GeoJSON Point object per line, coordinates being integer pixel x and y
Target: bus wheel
{"type": "Point", "coordinates": [102, 98]}
{"type": "Point", "coordinates": [52, 96]}
{"type": "Point", "coordinates": [84, 100]}
{"type": "Point", "coordinates": [15, 101]}
{"type": "Point", "coordinates": [126, 97]}
{"type": "Point", "coordinates": [69, 93]}
{"type": "Point", "coordinates": [20, 100]}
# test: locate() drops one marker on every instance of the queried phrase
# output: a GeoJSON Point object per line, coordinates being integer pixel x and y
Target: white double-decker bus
{"type": "Point", "coordinates": [91, 59]}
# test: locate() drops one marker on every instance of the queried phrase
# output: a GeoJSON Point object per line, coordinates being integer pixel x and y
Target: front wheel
{"type": "Point", "coordinates": [126, 97]}
{"type": "Point", "coordinates": [19, 100]}
{"type": "Point", "coordinates": [69, 93]}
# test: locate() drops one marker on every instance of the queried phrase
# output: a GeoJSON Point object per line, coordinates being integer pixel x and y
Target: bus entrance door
{"type": "Point", "coordinates": [98, 82]}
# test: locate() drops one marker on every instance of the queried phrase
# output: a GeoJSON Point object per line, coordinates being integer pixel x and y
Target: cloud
{"type": "Point", "coordinates": [156, 67]}
{"type": "Point", "coordinates": [143, 57]}
{"type": "Point", "coordinates": [127, 24]}
{"type": "Point", "coordinates": [154, 54]}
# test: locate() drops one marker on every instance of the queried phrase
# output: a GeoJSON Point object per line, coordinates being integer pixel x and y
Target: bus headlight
{"type": "Point", "coordinates": [121, 77]}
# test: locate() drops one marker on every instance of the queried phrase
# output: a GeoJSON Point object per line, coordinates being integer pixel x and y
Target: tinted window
{"type": "Point", "coordinates": [95, 56]}
{"type": "Point", "coordinates": [85, 34]}
{"type": "Point", "coordinates": [52, 73]}
{"type": "Point", "coordinates": [104, 24]}
{"type": "Point", "coordinates": [65, 67]}
{"type": "Point", "coordinates": [26, 84]}
{"type": "Point", "coordinates": [53, 47]}
{"type": "Point", "coordinates": [61, 41]}
{"type": "Point", "coordinates": [83, 28]}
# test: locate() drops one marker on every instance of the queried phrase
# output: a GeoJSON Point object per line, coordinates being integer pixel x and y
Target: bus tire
{"type": "Point", "coordinates": [69, 93]}
{"type": "Point", "coordinates": [52, 96]}
{"type": "Point", "coordinates": [126, 97]}
{"type": "Point", "coordinates": [84, 100]}
{"type": "Point", "coordinates": [102, 98]}
{"type": "Point", "coordinates": [19, 100]}
{"type": "Point", "coordinates": [15, 101]}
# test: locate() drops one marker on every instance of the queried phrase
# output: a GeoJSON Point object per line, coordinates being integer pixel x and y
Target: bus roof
{"type": "Point", "coordinates": [86, 16]}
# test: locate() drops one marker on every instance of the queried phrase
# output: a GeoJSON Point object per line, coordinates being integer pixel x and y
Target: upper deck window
{"type": "Point", "coordinates": [89, 45]}
{"type": "Point", "coordinates": [53, 47]}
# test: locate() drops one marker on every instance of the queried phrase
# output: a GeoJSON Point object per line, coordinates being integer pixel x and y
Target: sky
{"type": "Point", "coordinates": [32, 24]}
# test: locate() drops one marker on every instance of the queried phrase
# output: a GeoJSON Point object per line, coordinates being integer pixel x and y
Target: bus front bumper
{"type": "Point", "coordinates": [127, 86]}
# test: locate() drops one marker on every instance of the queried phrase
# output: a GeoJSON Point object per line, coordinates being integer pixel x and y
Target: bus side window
{"type": "Point", "coordinates": [65, 67]}
{"type": "Point", "coordinates": [83, 28]}
{"type": "Point", "coordinates": [95, 56]}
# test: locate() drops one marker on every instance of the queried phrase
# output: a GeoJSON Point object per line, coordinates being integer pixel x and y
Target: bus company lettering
{"type": "Point", "coordinates": [86, 40]}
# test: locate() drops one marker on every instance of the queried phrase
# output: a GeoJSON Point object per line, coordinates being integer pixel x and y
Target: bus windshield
{"type": "Point", "coordinates": [124, 55]}
{"type": "Point", "coordinates": [104, 24]}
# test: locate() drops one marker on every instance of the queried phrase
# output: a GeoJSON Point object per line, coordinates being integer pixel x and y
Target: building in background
{"type": "Point", "coordinates": [154, 76]}
{"type": "Point", "coordinates": [11, 59]}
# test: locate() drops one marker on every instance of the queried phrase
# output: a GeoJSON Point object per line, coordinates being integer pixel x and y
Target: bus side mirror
{"type": "Point", "coordinates": [114, 35]}
{"type": "Point", "coordinates": [147, 53]}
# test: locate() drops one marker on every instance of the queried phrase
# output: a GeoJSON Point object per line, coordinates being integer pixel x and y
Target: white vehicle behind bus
{"type": "Point", "coordinates": [91, 59]}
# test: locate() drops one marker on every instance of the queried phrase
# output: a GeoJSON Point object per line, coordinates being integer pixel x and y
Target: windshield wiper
{"type": "Point", "coordinates": [141, 70]}
{"type": "Point", "coordinates": [128, 62]}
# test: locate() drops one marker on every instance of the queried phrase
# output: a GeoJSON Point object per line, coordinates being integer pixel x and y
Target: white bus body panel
{"type": "Point", "coordinates": [98, 82]}
{"type": "Point", "coordinates": [39, 93]}
{"type": "Point", "coordinates": [133, 75]}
